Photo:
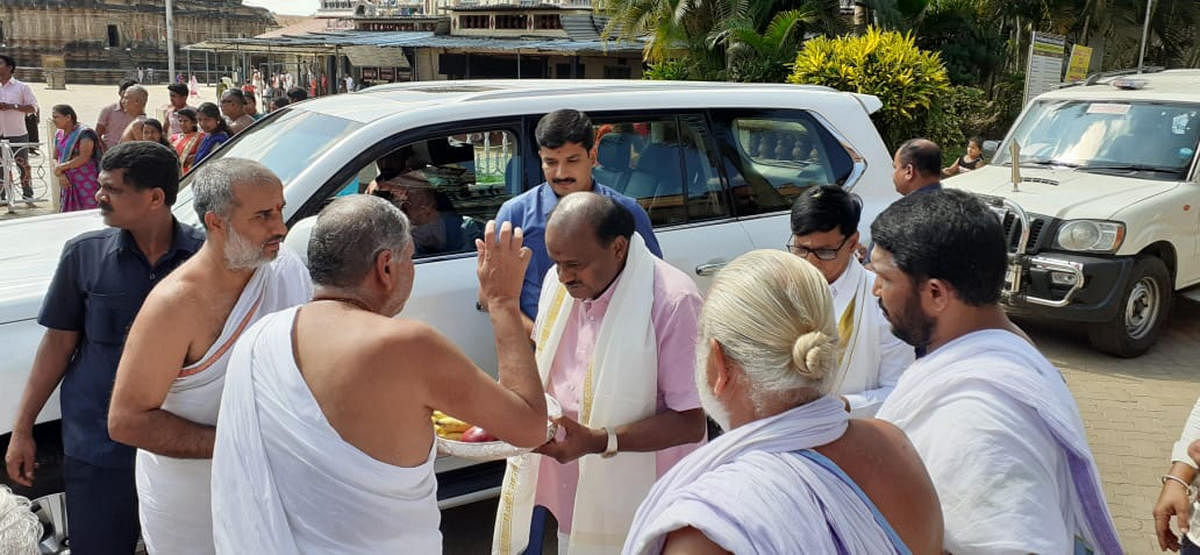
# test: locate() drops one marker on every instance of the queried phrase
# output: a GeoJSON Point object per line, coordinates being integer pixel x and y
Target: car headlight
{"type": "Point", "coordinates": [1090, 235]}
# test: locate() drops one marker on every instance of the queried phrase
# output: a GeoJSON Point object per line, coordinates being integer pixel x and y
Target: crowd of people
{"type": "Point", "coordinates": [874, 398]}
{"type": "Point", "coordinates": [192, 132]}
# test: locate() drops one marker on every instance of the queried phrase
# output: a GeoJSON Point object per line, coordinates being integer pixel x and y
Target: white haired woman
{"type": "Point", "coordinates": [793, 472]}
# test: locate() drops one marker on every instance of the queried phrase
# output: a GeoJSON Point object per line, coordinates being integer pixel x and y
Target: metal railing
{"type": "Point", "coordinates": [38, 157]}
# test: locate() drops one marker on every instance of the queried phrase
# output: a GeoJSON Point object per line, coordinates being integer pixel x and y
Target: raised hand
{"type": "Point", "coordinates": [501, 264]}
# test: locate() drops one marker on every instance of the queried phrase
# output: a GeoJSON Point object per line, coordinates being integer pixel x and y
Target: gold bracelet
{"type": "Point", "coordinates": [1191, 490]}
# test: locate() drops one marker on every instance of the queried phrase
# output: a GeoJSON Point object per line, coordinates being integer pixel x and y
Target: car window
{"type": "Point", "coordinates": [770, 158]}
{"type": "Point", "coordinates": [286, 144]}
{"type": "Point", "coordinates": [449, 186]}
{"type": "Point", "coordinates": [665, 163]}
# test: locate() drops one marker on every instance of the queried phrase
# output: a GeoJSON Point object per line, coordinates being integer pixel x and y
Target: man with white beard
{"type": "Point", "coordinates": [794, 473]}
{"type": "Point", "coordinates": [169, 382]}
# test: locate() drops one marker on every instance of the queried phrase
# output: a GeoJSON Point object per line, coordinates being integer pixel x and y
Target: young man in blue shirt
{"type": "Point", "coordinates": [101, 281]}
{"type": "Point", "coordinates": [565, 139]}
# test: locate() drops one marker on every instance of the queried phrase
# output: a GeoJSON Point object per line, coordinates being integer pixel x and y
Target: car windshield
{"type": "Point", "coordinates": [286, 144]}
{"type": "Point", "coordinates": [1152, 140]}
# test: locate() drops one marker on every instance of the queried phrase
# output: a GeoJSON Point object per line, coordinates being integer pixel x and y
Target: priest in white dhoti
{"type": "Point", "coordinates": [615, 335]}
{"type": "Point", "coordinates": [168, 386]}
{"type": "Point", "coordinates": [325, 443]}
{"type": "Point", "coordinates": [790, 475]}
{"type": "Point", "coordinates": [825, 233]}
{"type": "Point", "coordinates": [991, 417]}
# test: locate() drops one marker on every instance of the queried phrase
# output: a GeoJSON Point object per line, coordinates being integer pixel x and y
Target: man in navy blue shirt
{"type": "Point", "coordinates": [101, 281]}
{"type": "Point", "coordinates": [917, 167]}
{"type": "Point", "coordinates": [565, 139]}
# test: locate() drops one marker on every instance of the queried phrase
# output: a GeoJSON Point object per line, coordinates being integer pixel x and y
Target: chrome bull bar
{"type": "Point", "coordinates": [1019, 260]}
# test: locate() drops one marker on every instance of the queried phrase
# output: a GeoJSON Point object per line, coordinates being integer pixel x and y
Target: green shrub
{"type": "Point", "coordinates": [910, 82]}
{"type": "Point", "coordinates": [667, 70]}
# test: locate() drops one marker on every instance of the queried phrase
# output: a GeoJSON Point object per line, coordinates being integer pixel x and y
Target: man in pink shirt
{"type": "Point", "coordinates": [616, 336]}
{"type": "Point", "coordinates": [113, 120]}
{"type": "Point", "coordinates": [16, 100]}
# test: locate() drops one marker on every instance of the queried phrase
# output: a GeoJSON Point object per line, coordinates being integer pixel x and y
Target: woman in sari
{"type": "Point", "coordinates": [215, 129]}
{"type": "Point", "coordinates": [78, 150]}
{"type": "Point", "coordinates": [187, 143]}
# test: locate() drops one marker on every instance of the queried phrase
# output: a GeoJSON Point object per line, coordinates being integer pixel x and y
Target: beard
{"type": "Point", "coordinates": [910, 324]}
{"type": "Point", "coordinates": [243, 254]}
{"type": "Point", "coordinates": [708, 401]}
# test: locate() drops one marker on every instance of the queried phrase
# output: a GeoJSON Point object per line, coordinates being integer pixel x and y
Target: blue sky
{"type": "Point", "coordinates": [288, 7]}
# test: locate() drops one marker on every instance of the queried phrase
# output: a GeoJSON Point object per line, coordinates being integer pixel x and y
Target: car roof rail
{"type": "Point", "coordinates": [1096, 77]}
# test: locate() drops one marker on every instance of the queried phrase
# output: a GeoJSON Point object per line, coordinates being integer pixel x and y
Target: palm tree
{"type": "Point", "coordinates": [760, 57]}
{"type": "Point", "coordinates": [706, 31]}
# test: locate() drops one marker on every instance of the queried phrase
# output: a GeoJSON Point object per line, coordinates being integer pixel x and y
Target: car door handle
{"type": "Point", "coordinates": [709, 269]}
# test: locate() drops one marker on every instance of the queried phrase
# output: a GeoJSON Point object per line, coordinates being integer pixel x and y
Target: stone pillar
{"type": "Point", "coordinates": [54, 68]}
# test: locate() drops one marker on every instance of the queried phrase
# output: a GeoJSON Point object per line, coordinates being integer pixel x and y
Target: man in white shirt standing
{"type": "Point", "coordinates": [16, 100]}
{"type": "Point", "coordinates": [825, 233]}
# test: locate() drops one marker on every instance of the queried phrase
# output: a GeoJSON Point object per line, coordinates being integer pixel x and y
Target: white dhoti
{"type": "Point", "coordinates": [1002, 440]}
{"type": "Point", "coordinates": [621, 387]}
{"type": "Point", "coordinates": [760, 489]}
{"type": "Point", "coordinates": [871, 358]}
{"type": "Point", "coordinates": [284, 481]}
{"type": "Point", "coordinates": [173, 494]}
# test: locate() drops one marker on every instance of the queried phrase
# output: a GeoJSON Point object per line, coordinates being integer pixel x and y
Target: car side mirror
{"type": "Point", "coordinates": [990, 148]}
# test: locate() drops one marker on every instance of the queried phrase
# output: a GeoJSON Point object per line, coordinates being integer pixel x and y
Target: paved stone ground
{"type": "Point", "coordinates": [1133, 411]}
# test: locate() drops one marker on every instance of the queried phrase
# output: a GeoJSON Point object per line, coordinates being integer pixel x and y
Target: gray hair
{"type": "Point", "coordinates": [212, 188]}
{"type": "Point", "coordinates": [138, 90]}
{"type": "Point", "coordinates": [772, 313]}
{"type": "Point", "coordinates": [349, 234]}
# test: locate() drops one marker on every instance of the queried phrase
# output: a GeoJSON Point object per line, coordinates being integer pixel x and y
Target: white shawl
{"type": "Point", "coordinates": [173, 494]}
{"type": "Point", "coordinates": [990, 485]}
{"type": "Point", "coordinates": [284, 481]}
{"type": "Point", "coordinates": [754, 490]}
{"type": "Point", "coordinates": [621, 387]}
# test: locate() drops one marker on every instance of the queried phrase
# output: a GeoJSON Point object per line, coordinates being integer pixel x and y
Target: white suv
{"type": "Point", "coordinates": [715, 165]}
{"type": "Point", "coordinates": [1104, 217]}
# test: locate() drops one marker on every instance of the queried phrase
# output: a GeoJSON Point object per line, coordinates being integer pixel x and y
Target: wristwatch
{"type": "Point", "coordinates": [611, 450]}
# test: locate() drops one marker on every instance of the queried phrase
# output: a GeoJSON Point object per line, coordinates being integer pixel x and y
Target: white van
{"type": "Point", "coordinates": [715, 165]}
{"type": "Point", "coordinates": [1104, 220]}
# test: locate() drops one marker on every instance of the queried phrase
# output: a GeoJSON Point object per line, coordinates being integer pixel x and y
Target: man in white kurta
{"type": "Point", "coordinates": [169, 381]}
{"type": "Point", "coordinates": [825, 233]}
{"type": "Point", "coordinates": [993, 420]}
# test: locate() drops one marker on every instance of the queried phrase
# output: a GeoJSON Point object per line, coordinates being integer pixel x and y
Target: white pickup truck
{"type": "Point", "coordinates": [715, 165]}
{"type": "Point", "coordinates": [1104, 215]}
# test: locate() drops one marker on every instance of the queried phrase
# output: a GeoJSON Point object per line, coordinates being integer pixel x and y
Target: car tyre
{"type": "Point", "coordinates": [1144, 306]}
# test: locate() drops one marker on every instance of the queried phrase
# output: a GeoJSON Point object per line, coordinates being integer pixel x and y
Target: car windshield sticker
{"type": "Point", "coordinates": [1111, 109]}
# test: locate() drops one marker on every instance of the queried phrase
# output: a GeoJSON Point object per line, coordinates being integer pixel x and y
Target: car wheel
{"type": "Point", "coordinates": [1144, 307]}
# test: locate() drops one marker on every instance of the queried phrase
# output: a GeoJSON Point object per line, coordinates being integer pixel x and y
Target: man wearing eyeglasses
{"type": "Point", "coordinates": [825, 233]}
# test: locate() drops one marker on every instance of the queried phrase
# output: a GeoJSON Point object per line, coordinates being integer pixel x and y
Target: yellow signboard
{"type": "Point", "coordinates": [1081, 60]}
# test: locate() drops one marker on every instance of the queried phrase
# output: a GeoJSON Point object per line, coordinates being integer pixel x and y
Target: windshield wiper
{"type": "Point", "coordinates": [1132, 168]}
{"type": "Point", "coordinates": [1049, 162]}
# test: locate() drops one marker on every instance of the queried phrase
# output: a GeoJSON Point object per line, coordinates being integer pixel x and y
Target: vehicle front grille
{"type": "Point", "coordinates": [1012, 232]}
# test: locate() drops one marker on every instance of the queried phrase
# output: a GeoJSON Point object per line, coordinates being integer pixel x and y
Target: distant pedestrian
{"type": "Point", "coordinates": [233, 105]}
{"type": "Point", "coordinates": [215, 129]}
{"type": "Point", "coordinates": [113, 119]}
{"type": "Point", "coordinates": [179, 98]}
{"type": "Point", "coordinates": [135, 109]}
{"type": "Point", "coordinates": [187, 142]}
{"type": "Point", "coordinates": [77, 159]}
{"type": "Point", "coordinates": [141, 73]}
{"type": "Point", "coordinates": [152, 130]}
{"type": "Point", "coordinates": [972, 160]}
{"type": "Point", "coordinates": [150, 75]}
{"type": "Point", "coordinates": [193, 86]}
{"type": "Point", "coordinates": [16, 100]}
